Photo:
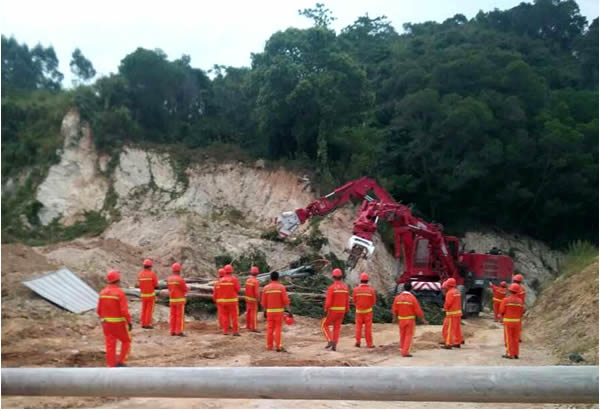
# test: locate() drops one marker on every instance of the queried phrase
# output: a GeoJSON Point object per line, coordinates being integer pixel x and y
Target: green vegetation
{"type": "Point", "coordinates": [489, 121]}
{"type": "Point", "coordinates": [580, 254]}
{"type": "Point", "coordinates": [243, 262]}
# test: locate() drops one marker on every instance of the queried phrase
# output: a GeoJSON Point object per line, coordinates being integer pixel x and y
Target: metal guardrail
{"type": "Point", "coordinates": [517, 384]}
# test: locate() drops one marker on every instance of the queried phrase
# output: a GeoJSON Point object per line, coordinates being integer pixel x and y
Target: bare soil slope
{"type": "Point", "coordinates": [565, 316]}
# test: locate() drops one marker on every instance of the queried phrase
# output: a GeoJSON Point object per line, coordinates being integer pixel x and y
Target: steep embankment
{"type": "Point", "coordinates": [565, 316]}
{"type": "Point", "coordinates": [161, 208]}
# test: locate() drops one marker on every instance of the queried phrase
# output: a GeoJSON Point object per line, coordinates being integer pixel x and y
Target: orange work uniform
{"type": "Point", "coordinates": [522, 295]}
{"type": "Point", "coordinates": [512, 309]}
{"type": "Point", "coordinates": [252, 297]}
{"type": "Point", "coordinates": [499, 294]}
{"type": "Point", "coordinates": [273, 300]}
{"type": "Point", "coordinates": [148, 282]}
{"type": "Point", "coordinates": [364, 299]}
{"type": "Point", "coordinates": [451, 330]}
{"type": "Point", "coordinates": [227, 297]}
{"type": "Point", "coordinates": [406, 308]}
{"type": "Point", "coordinates": [114, 312]}
{"type": "Point", "coordinates": [177, 292]}
{"type": "Point", "coordinates": [337, 304]}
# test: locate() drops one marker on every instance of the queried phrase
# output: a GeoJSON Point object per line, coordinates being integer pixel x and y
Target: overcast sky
{"type": "Point", "coordinates": [216, 32]}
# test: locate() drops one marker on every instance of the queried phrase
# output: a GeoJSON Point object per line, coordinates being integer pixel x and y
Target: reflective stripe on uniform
{"type": "Point", "coordinates": [227, 300]}
{"type": "Point", "coordinates": [458, 312]}
{"type": "Point", "coordinates": [226, 283]}
{"type": "Point", "coordinates": [404, 302]}
{"type": "Point", "coordinates": [114, 319]}
{"type": "Point", "coordinates": [176, 300]}
{"type": "Point", "coordinates": [250, 298]}
{"type": "Point", "coordinates": [498, 300]}
{"type": "Point", "coordinates": [409, 317]}
{"type": "Point", "coordinates": [512, 320]}
{"type": "Point", "coordinates": [148, 294]}
{"type": "Point", "coordinates": [272, 291]}
{"type": "Point", "coordinates": [367, 294]}
{"type": "Point", "coordinates": [337, 308]}
{"type": "Point", "coordinates": [368, 310]}
{"type": "Point", "coordinates": [514, 305]}
{"type": "Point", "coordinates": [114, 297]}
{"type": "Point", "coordinates": [173, 283]}
{"type": "Point", "coordinates": [274, 310]}
{"type": "Point", "coordinates": [340, 291]}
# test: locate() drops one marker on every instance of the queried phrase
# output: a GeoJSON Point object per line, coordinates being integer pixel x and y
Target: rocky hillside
{"type": "Point", "coordinates": [156, 207]}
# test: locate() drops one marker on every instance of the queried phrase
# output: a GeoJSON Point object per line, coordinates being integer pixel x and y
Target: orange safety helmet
{"type": "Point", "coordinates": [147, 262]}
{"type": "Point", "coordinates": [364, 277]}
{"type": "Point", "coordinates": [113, 276]}
{"type": "Point", "coordinates": [336, 272]}
{"type": "Point", "coordinates": [254, 270]}
{"type": "Point", "coordinates": [503, 284]}
{"type": "Point", "coordinates": [515, 288]}
{"type": "Point", "coordinates": [289, 320]}
{"type": "Point", "coordinates": [221, 272]}
{"type": "Point", "coordinates": [517, 278]}
{"type": "Point", "coordinates": [450, 282]}
{"type": "Point", "coordinates": [228, 269]}
{"type": "Point", "coordinates": [176, 268]}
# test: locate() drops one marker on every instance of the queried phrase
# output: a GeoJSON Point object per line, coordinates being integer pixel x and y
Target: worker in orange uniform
{"type": "Point", "coordinates": [364, 299]}
{"type": "Point", "coordinates": [177, 292]}
{"type": "Point", "coordinates": [451, 330]}
{"type": "Point", "coordinates": [518, 279]}
{"type": "Point", "coordinates": [252, 296]}
{"type": "Point", "coordinates": [275, 302]}
{"type": "Point", "coordinates": [337, 304]}
{"type": "Point", "coordinates": [229, 270]}
{"type": "Point", "coordinates": [116, 321]}
{"type": "Point", "coordinates": [215, 296]}
{"type": "Point", "coordinates": [229, 288]}
{"type": "Point", "coordinates": [406, 308]}
{"type": "Point", "coordinates": [147, 281]}
{"type": "Point", "coordinates": [499, 294]}
{"type": "Point", "coordinates": [512, 309]}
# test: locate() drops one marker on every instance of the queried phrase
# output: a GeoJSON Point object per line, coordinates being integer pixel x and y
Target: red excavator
{"type": "Point", "coordinates": [429, 256]}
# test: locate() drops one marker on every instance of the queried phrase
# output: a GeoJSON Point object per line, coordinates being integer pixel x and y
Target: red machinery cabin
{"type": "Point", "coordinates": [490, 267]}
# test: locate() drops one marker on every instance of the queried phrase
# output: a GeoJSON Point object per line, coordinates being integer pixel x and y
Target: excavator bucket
{"type": "Point", "coordinates": [287, 223]}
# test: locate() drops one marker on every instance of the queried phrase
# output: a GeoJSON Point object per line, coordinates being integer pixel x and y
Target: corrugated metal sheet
{"type": "Point", "coordinates": [65, 289]}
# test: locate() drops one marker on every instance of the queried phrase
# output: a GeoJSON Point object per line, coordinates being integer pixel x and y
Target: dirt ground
{"type": "Point", "coordinates": [43, 343]}
{"type": "Point", "coordinates": [36, 333]}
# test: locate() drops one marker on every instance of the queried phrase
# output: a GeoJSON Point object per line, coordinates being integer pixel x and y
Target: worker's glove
{"type": "Point", "coordinates": [130, 326]}
{"type": "Point", "coordinates": [289, 313]}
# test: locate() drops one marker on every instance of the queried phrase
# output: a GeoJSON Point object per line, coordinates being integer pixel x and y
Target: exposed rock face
{"type": "Point", "coordinates": [75, 185]}
{"type": "Point", "coordinates": [223, 209]}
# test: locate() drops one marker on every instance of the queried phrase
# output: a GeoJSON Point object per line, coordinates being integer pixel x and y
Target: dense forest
{"type": "Point", "coordinates": [491, 121]}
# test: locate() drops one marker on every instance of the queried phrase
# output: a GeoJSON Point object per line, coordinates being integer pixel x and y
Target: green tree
{"type": "Point", "coordinates": [81, 66]}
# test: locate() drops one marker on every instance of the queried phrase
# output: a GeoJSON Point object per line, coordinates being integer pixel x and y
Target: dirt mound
{"type": "Point", "coordinates": [566, 316]}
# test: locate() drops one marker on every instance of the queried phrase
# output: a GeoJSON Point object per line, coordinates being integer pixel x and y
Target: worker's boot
{"type": "Point", "coordinates": [329, 345]}
{"type": "Point", "coordinates": [407, 355]}
{"type": "Point", "coordinates": [181, 335]}
{"type": "Point", "coordinates": [255, 331]}
{"type": "Point", "coordinates": [236, 334]}
{"type": "Point", "coordinates": [334, 347]}
{"type": "Point", "coordinates": [446, 347]}
{"type": "Point", "coordinates": [121, 365]}
{"type": "Point", "coordinates": [357, 345]}
{"type": "Point", "coordinates": [281, 349]}
{"type": "Point", "coordinates": [456, 346]}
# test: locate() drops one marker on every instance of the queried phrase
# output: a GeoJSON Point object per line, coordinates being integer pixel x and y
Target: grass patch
{"type": "Point", "coordinates": [580, 254]}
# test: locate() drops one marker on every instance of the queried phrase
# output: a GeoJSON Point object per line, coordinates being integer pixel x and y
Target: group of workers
{"type": "Point", "coordinates": [116, 320]}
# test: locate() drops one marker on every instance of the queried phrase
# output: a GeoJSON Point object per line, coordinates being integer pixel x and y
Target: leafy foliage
{"type": "Point", "coordinates": [489, 121]}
